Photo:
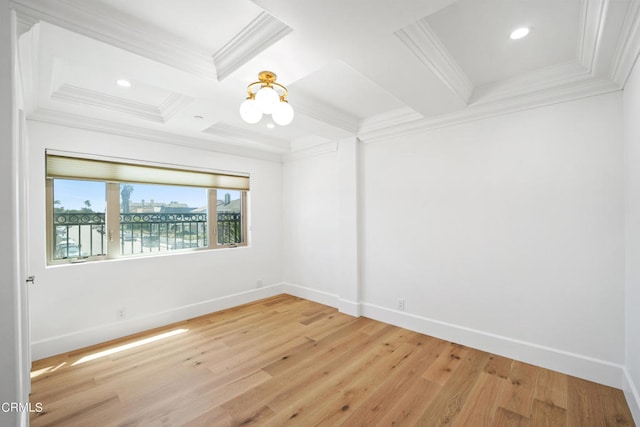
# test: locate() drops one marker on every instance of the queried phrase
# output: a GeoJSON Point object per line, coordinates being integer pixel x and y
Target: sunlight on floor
{"type": "Point", "coordinates": [128, 346]}
{"type": "Point", "coordinates": [39, 372]}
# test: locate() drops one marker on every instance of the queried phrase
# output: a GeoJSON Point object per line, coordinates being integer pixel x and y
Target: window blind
{"type": "Point", "coordinates": [64, 167]}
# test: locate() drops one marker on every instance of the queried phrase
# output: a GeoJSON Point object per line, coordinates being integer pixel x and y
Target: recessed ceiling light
{"type": "Point", "coordinates": [270, 125]}
{"type": "Point", "coordinates": [124, 83]}
{"type": "Point", "coordinates": [519, 33]}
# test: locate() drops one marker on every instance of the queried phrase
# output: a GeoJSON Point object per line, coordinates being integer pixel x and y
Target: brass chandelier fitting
{"type": "Point", "coordinates": [266, 97]}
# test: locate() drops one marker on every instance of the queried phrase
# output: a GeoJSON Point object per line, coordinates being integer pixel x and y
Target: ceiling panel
{"type": "Point", "coordinates": [346, 89]}
{"type": "Point", "coordinates": [476, 34]}
{"type": "Point", "coordinates": [208, 24]}
{"type": "Point", "coordinates": [352, 67]}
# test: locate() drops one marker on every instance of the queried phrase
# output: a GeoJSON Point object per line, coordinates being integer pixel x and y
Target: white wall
{"type": "Point", "coordinates": [311, 248]}
{"type": "Point", "coordinates": [321, 225]}
{"type": "Point", "coordinates": [505, 233]}
{"type": "Point", "coordinates": [631, 107]}
{"type": "Point", "coordinates": [76, 305]}
{"type": "Point", "coordinates": [10, 379]}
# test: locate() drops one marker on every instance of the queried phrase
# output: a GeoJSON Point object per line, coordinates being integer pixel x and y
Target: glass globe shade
{"type": "Point", "coordinates": [250, 112]}
{"type": "Point", "coordinates": [282, 113]}
{"type": "Point", "coordinates": [267, 98]}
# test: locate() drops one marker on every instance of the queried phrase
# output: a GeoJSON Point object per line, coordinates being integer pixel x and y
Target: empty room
{"type": "Point", "coordinates": [337, 213]}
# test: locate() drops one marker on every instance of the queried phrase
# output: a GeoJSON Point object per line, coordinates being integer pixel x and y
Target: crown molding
{"type": "Point", "coordinates": [542, 79]}
{"type": "Point", "coordinates": [24, 23]}
{"type": "Point", "coordinates": [308, 141]}
{"type": "Point", "coordinates": [628, 49]}
{"type": "Point", "coordinates": [261, 33]}
{"type": "Point", "coordinates": [592, 21]}
{"type": "Point", "coordinates": [391, 118]}
{"type": "Point", "coordinates": [119, 129]}
{"type": "Point", "coordinates": [86, 97]}
{"type": "Point", "coordinates": [317, 110]}
{"type": "Point", "coordinates": [173, 104]}
{"type": "Point", "coordinates": [153, 113]}
{"type": "Point", "coordinates": [576, 90]}
{"type": "Point", "coordinates": [316, 150]}
{"type": "Point", "coordinates": [248, 138]}
{"type": "Point", "coordinates": [28, 60]}
{"type": "Point", "coordinates": [88, 19]}
{"type": "Point", "coordinates": [423, 42]}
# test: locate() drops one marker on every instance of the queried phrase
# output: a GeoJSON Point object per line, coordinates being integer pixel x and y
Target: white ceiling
{"type": "Point", "coordinates": [353, 67]}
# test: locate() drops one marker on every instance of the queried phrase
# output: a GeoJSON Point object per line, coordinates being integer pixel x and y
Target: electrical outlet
{"type": "Point", "coordinates": [259, 283]}
{"type": "Point", "coordinates": [400, 304]}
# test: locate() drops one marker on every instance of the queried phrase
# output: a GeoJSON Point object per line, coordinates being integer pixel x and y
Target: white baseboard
{"type": "Point", "coordinates": [632, 394]}
{"type": "Point", "coordinates": [349, 307]}
{"type": "Point", "coordinates": [589, 368]}
{"type": "Point", "coordinates": [86, 337]}
{"type": "Point", "coordinates": [592, 369]}
{"type": "Point", "coordinates": [314, 295]}
{"type": "Point", "coordinates": [343, 305]}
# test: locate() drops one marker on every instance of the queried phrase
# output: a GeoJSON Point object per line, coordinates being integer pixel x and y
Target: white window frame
{"type": "Point", "coordinates": [112, 222]}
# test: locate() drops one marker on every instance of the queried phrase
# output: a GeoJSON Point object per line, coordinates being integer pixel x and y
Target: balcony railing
{"type": "Point", "coordinates": [149, 232]}
{"type": "Point", "coordinates": [80, 235]}
{"type": "Point", "coordinates": [229, 228]}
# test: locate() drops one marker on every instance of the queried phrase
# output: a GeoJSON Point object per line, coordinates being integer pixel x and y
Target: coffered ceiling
{"type": "Point", "coordinates": [353, 67]}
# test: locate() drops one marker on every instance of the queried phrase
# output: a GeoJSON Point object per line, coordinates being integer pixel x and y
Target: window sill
{"type": "Point", "coordinates": [93, 260]}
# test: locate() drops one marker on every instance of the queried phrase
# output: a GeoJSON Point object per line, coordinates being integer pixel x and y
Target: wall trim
{"type": "Point", "coordinates": [592, 14]}
{"type": "Point", "coordinates": [391, 118]}
{"type": "Point", "coordinates": [85, 97]}
{"type": "Point", "coordinates": [314, 295]}
{"type": "Point", "coordinates": [577, 90]}
{"type": "Point", "coordinates": [316, 150]}
{"type": "Point", "coordinates": [351, 308]}
{"type": "Point", "coordinates": [629, 46]}
{"type": "Point", "coordinates": [104, 126]}
{"type": "Point", "coordinates": [262, 32]}
{"type": "Point", "coordinates": [551, 78]}
{"type": "Point", "coordinates": [62, 343]}
{"type": "Point", "coordinates": [592, 369]}
{"type": "Point", "coordinates": [632, 394]}
{"type": "Point", "coordinates": [343, 305]}
{"type": "Point", "coordinates": [248, 138]}
{"type": "Point", "coordinates": [423, 42]}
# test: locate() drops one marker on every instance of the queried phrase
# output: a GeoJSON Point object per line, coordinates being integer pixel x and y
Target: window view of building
{"type": "Point", "coordinates": [92, 219]}
{"type": "Point", "coordinates": [79, 219]}
{"type": "Point", "coordinates": [230, 229]}
{"type": "Point", "coordinates": [148, 224]}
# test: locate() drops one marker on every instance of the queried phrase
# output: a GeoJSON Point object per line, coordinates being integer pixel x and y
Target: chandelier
{"type": "Point", "coordinates": [266, 97]}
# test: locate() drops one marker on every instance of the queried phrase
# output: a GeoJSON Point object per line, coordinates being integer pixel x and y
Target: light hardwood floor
{"type": "Point", "coordinates": [288, 361]}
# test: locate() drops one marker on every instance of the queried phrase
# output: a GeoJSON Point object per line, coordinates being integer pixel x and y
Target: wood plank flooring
{"type": "Point", "coordinates": [288, 361]}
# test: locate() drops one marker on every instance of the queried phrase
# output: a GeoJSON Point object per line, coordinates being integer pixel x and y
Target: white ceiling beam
{"type": "Point", "coordinates": [318, 110]}
{"type": "Point", "coordinates": [262, 32]}
{"type": "Point", "coordinates": [423, 42]}
{"type": "Point", "coordinates": [592, 21]}
{"type": "Point", "coordinates": [628, 49]}
{"type": "Point", "coordinates": [119, 30]}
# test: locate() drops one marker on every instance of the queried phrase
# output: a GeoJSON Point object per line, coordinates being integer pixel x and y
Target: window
{"type": "Point", "coordinates": [99, 209]}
